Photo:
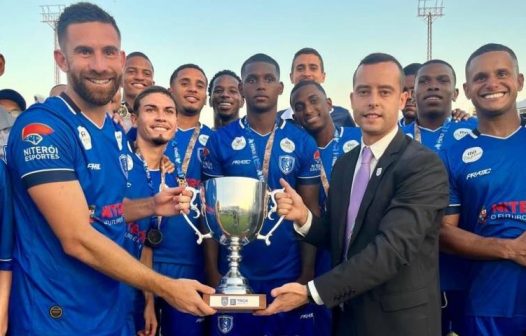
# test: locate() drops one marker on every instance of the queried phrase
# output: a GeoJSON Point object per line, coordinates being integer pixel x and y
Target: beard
{"type": "Point", "coordinates": [95, 97]}
{"type": "Point", "coordinates": [159, 141]}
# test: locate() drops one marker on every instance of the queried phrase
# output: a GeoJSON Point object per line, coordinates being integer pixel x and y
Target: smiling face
{"type": "Point", "coordinates": [434, 91]}
{"type": "Point", "coordinates": [138, 75]}
{"type": "Point", "coordinates": [226, 100]}
{"type": "Point", "coordinates": [307, 67]}
{"type": "Point", "coordinates": [156, 119]}
{"type": "Point", "coordinates": [376, 99]}
{"type": "Point", "coordinates": [311, 108]}
{"type": "Point", "coordinates": [492, 83]}
{"type": "Point", "coordinates": [189, 90]}
{"type": "Point", "coordinates": [92, 59]}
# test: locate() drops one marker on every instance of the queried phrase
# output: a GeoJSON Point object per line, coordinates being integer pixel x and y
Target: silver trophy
{"type": "Point", "coordinates": [235, 209]}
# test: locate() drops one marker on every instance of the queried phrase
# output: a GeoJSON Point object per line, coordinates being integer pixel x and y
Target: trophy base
{"type": "Point", "coordinates": [238, 303]}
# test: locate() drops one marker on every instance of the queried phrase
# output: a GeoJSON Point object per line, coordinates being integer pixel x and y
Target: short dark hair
{"type": "Point", "coordinates": [412, 69]}
{"type": "Point", "coordinates": [489, 48]}
{"type": "Point", "coordinates": [186, 66]}
{"type": "Point", "coordinates": [439, 61]}
{"type": "Point", "coordinates": [82, 12]}
{"type": "Point", "coordinates": [139, 54]}
{"type": "Point", "coordinates": [260, 58]}
{"type": "Point", "coordinates": [305, 83]}
{"type": "Point", "coordinates": [307, 51]}
{"type": "Point", "coordinates": [376, 58]}
{"type": "Point", "coordinates": [148, 91]}
{"type": "Point", "coordinates": [219, 74]}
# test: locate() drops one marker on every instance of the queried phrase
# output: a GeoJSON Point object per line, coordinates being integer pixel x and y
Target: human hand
{"type": "Point", "coordinates": [290, 204]}
{"type": "Point", "coordinates": [518, 249]}
{"type": "Point", "coordinates": [459, 115]}
{"type": "Point", "coordinates": [167, 165]}
{"type": "Point", "coordinates": [184, 295]}
{"type": "Point", "coordinates": [150, 320]}
{"type": "Point", "coordinates": [172, 201]}
{"type": "Point", "coordinates": [286, 298]}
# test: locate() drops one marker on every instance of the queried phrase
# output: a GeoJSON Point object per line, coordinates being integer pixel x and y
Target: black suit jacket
{"type": "Point", "coordinates": [389, 283]}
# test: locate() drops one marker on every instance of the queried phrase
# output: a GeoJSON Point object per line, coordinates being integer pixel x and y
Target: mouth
{"type": "Point", "coordinates": [433, 98]}
{"type": "Point", "coordinates": [495, 95]}
{"type": "Point", "coordinates": [139, 86]}
{"type": "Point", "coordinates": [160, 128]}
{"type": "Point", "coordinates": [100, 81]}
{"type": "Point", "coordinates": [225, 106]}
{"type": "Point", "coordinates": [371, 116]}
{"type": "Point", "coordinates": [191, 99]}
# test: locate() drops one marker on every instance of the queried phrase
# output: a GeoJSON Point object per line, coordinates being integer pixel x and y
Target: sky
{"type": "Point", "coordinates": [219, 35]}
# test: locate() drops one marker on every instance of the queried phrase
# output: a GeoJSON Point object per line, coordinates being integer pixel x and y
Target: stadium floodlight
{"type": "Point", "coordinates": [430, 10]}
{"type": "Point", "coordinates": [50, 15]}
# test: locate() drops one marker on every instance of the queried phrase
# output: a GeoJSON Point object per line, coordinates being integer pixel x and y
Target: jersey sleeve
{"type": "Point", "coordinates": [7, 235]}
{"type": "Point", "coordinates": [211, 161]}
{"type": "Point", "coordinates": [310, 163]}
{"type": "Point", "coordinates": [41, 151]}
{"type": "Point", "coordinates": [454, 191]}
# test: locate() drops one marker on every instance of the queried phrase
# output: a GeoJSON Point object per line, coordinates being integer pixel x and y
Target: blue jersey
{"type": "Point", "coordinates": [488, 191]}
{"type": "Point", "coordinates": [6, 220]}
{"type": "Point", "coordinates": [444, 136]}
{"type": "Point", "coordinates": [179, 244]}
{"type": "Point", "coordinates": [347, 139]}
{"type": "Point", "coordinates": [54, 294]}
{"type": "Point", "coordinates": [295, 158]}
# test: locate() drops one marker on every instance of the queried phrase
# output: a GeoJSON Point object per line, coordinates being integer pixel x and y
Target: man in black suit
{"type": "Point", "coordinates": [384, 279]}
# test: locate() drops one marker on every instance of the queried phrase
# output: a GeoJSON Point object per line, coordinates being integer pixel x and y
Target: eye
{"type": "Point", "coordinates": [111, 51]}
{"type": "Point", "coordinates": [299, 108]}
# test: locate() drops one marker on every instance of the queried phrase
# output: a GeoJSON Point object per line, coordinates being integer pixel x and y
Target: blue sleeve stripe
{"type": "Point", "coordinates": [5, 264]}
{"type": "Point", "coordinates": [48, 176]}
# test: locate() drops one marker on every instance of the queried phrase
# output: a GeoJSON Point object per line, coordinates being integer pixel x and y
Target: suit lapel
{"type": "Point", "coordinates": [391, 154]}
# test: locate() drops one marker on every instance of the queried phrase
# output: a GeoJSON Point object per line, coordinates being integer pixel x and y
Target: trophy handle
{"type": "Point", "coordinates": [195, 208]}
{"type": "Point", "coordinates": [193, 205]}
{"type": "Point", "coordinates": [273, 209]}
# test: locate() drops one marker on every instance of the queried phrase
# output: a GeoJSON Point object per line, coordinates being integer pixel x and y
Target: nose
{"type": "Point", "coordinates": [373, 100]}
{"type": "Point", "coordinates": [99, 62]}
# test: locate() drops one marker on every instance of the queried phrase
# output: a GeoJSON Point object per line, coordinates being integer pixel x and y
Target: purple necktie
{"type": "Point", "coordinates": [358, 189]}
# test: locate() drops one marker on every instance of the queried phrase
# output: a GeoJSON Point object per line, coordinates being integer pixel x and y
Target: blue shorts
{"type": "Point", "coordinates": [171, 321]}
{"type": "Point", "coordinates": [454, 312]}
{"type": "Point", "coordinates": [296, 322]}
{"type": "Point", "coordinates": [496, 326]}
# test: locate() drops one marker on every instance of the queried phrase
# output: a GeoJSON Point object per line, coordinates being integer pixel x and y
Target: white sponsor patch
{"type": "Point", "coordinates": [239, 143]}
{"type": "Point", "coordinates": [472, 154]}
{"type": "Point", "coordinates": [203, 138]}
{"type": "Point", "coordinates": [349, 145]}
{"type": "Point", "coordinates": [287, 145]}
{"type": "Point", "coordinates": [41, 153]}
{"type": "Point", "coordinates": [85, 137]}
{"type": "Point", "coordinates": [118, 137]}
{"type": "Point", "coordinates": [460, 133]}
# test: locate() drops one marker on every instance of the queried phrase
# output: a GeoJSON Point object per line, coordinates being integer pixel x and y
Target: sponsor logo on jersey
{"type": "Point", "coordinates": [472, 154]}
{"type": "Point", "coordinates": [349, 145]}
{"type": "Point", "coordinates": [514, 210]}
{"type": "Point", "coordinates": [241, 162]}
{"type": "Point", "coordinates": [287, 145]}
{"type": "Point", "coordinates": [135, 233]}
{"type": "Point", "coordinates": [118, 137]}
{"type": "Point", "coordinates": [239, 143]}
{"type": "Point", "coordinates": [203, 138]}
{"type": "Point", "coordinates": [55, 312]}
{"type": "Point", "coordinates": [225, 323]}
{"type": "Point", "coordinates": [94, 166]}
{"type": "Point", "coordinates": [478, 173]}
{"type": "Point", "coordinates": [286, 164]}
{"type": "Point", "coordinates": [460, 133]}
{"type": "Point", "coordinates": [306, 316]}
{"type": "Point", "coordinates": [317, 155]}
{"type": "Point", "coordinates": [33, 133]}
{"type": "Point", "coordinates": [85, 137]}
{"type": "Point", "coordinates": [41, 153]}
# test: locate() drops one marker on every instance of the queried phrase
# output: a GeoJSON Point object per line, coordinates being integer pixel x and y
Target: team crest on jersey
{"type": "Point", "coordinates": [201, 154]}
{"type": "Point", "coordinates": [239, 143]}
{"type": "Point", "coordinates": [349, 145]}
{"type": "Point", "coordinates": [286, 164]}
{"type": "Point", "coordinates": [317, 155]}
{"type": "Point", "coordinates": [118, 137]}
{"type": "Point", "coordinates": [225, 323]}
{"type": "Point", "coordinates": [124, 161]}
{"type": "Point", "coordinates": [287, 145]}
{"type": "Point", "coordinates": [203, 138]}
{"type": "Point", "coordinates": [460, 133]}
{"type": "Point", "coordinates": [55, 312]}
{"type": "Point", "coordinates": [472, 154]}
{"type": "Point", "coordinates": [34, 133]}
{"type": "Point", "coordinates": [483, 215]}
{"type": "Point", "coordinates": [85, 137]}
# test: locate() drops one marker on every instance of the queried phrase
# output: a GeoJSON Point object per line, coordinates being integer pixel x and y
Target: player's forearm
{"type": "Point", "coordinates": [5, 290]}
{"type": "Point", "coordinates": [138, 208]}
{"type": "Point", "coordinates": [308, 262]}
{"type": "Point", "coordinates": [458, 241]}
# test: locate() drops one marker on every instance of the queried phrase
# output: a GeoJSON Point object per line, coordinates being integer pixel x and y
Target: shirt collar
{"type": "Point", "coordinates": [378, 148]}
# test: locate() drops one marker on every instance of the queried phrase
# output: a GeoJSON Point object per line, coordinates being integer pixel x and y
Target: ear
{"type": "Point", "coordinates": [322, 78]}
{"type": "Point", "coordinates": [465, 86]}
{"type": "Point", "coordinates": [290, 76]}
{"type": "Point", "coordinates": [61, 60]}
{"type": "Point", "coordinates": [240, 88]}
{"type": "Point", "coordinates": [281, 87]}
{"type": "Point", "coordinates": [455, 95]}
{"type": "Point", "coordinates": [329, 103]}
{"type": "Point", "coordinates": [133, 118]}
{"type": "Point", "coordinates": [520, 80]}
{"type": "Point", "coordinates": [122, 59]}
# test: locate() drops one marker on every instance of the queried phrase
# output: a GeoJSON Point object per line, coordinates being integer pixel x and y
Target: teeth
{"type": "Point", "coordinates": [432, 98]}
{"type": "Point", "coordinates": [100, 81]}
{"type": "Point", "coordinates": [494, 95]}
{"type": "Point", "coordinates": [225, 105]}
{"type": "Point", "coordinates": [138, 85]}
